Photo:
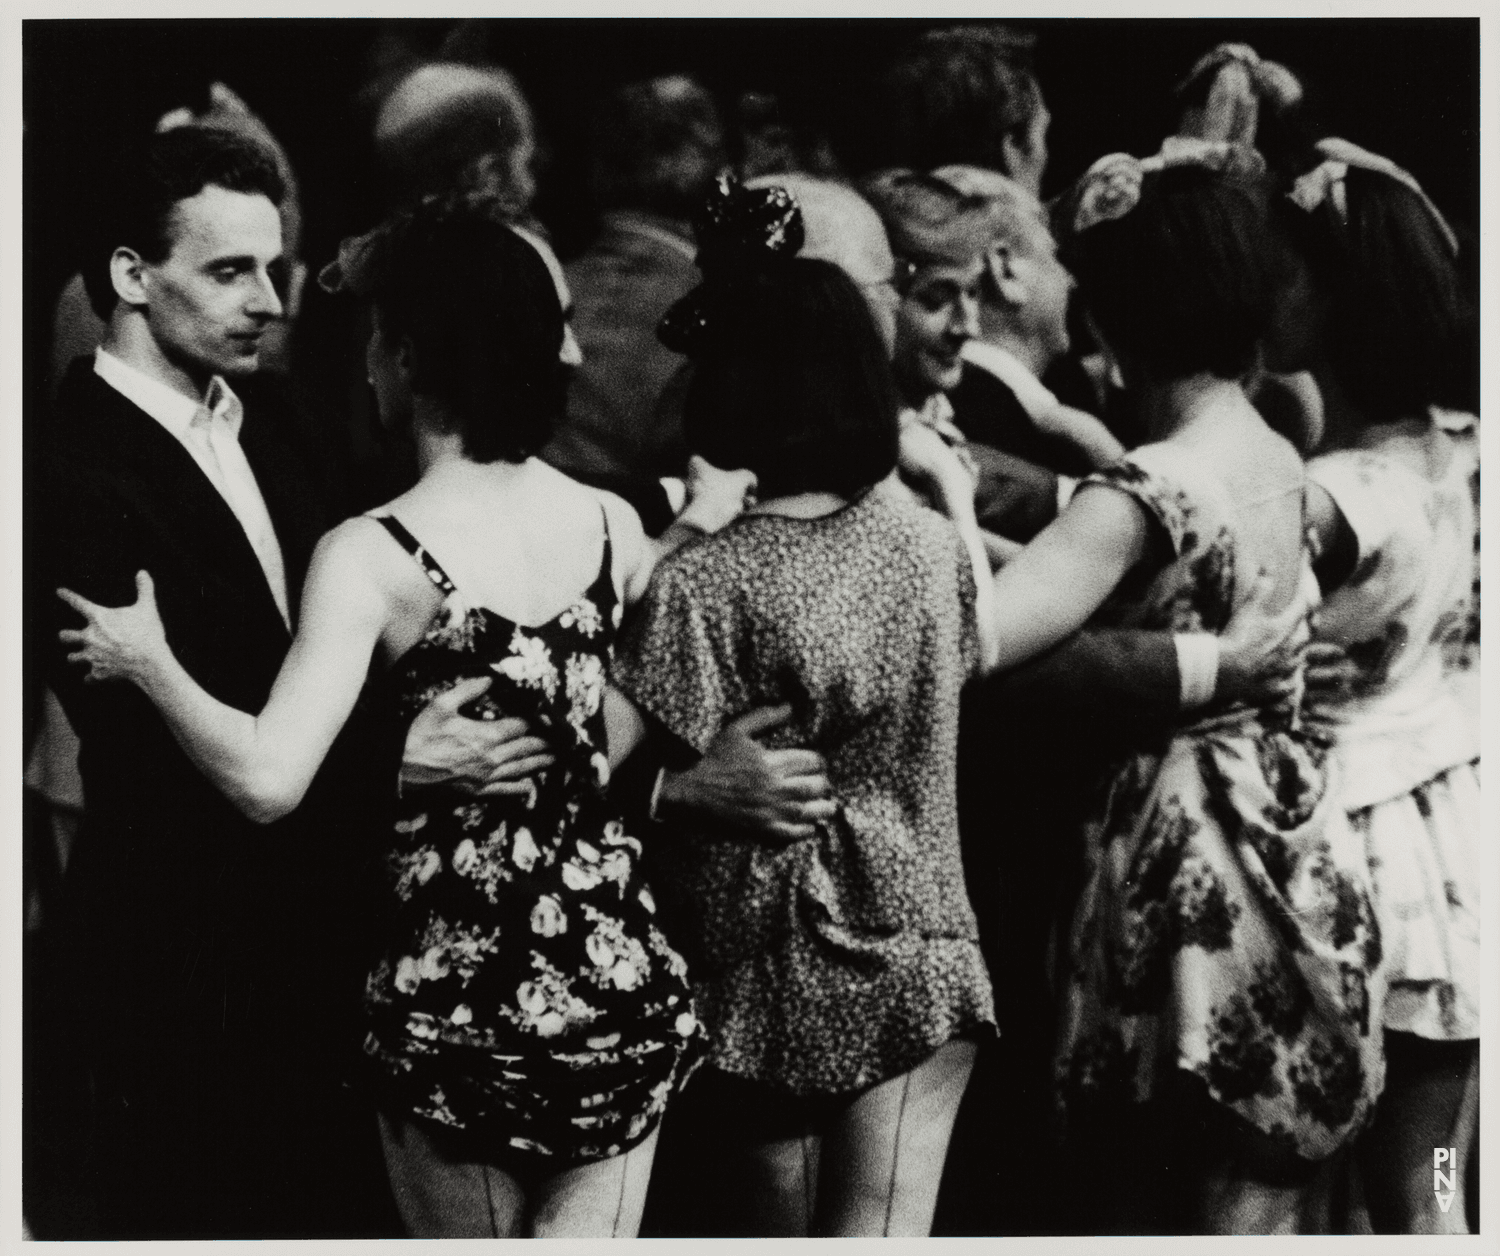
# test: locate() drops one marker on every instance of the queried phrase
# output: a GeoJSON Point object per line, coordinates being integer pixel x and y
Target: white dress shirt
{"type": "Point", "coordinates": [210, 431]}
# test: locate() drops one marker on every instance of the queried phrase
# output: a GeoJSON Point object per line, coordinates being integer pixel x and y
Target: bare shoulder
{"type": "Point", "coordinates": [360, 553]}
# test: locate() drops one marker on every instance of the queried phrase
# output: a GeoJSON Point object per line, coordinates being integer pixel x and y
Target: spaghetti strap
{"type": "Point", "coordinates": [417, 550]}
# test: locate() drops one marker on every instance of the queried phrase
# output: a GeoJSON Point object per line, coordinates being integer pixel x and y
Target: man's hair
{"type": "Point", "coordinates": [657, 146]}
{"type": "Point", "coordinates": [928, 220]}
{"type": "Point", "coordinates": [1400, 332]}
{"type": "Point", "coordinates": [954, 98]}
{"type": "Point", "coordinates": [795, 384]}
{"type": "Point", "coordinates": [483, 318]}
{"type": "Point", "coordinates": [1183, 282]}
{"type": "Point", "coordinates": [1018, 218]}
{"type": "Point", "coordinates": [152, 176]}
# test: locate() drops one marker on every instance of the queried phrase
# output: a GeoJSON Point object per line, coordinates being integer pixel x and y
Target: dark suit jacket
{"type": "Point", "coordinates": [187, 908]}
{"type": "Point", "coordinates": [986, 410]}
{"type": "Point", "coordinates": [621, 287]}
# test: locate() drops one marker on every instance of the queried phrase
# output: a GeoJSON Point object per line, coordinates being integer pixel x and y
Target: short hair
{"type": "Point", "coordinates": [955, 97]}
{"type": "Point", "coordinates": [794, 383]}
{"type": "Point", "coordinates": [657, 146]}
{"type": "Point", "coordinates": [1019, 221]}
{"type": "Point", "coordinates": [1184, 281]}
{"type": "Point", "coordinates": [446, 125]}
{"type": "Point", "coordinates": [929, 221]}
{"type": "Point", "coordinates": [1400, 332]}
{"type": "Point", "coordinates": [483, 318]}
{"type": "Point", "coordinates": [151, 176]}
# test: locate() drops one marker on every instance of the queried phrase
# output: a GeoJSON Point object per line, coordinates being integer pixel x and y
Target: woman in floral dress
{"type": "Point", "coordinates": [1224, 959]}
{"type": "Point", "coordinates": [1395, 507]}
{"type": "Point", "coordinates": [527, 1020]}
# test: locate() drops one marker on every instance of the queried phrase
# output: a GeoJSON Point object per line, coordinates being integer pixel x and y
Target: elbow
{"type": "Point", "coordinates": [267, 800]}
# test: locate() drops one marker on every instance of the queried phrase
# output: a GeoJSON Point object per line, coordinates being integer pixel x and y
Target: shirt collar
{"type": "Point", "coordinates": [166, 405]}
{"type": "Point", "coordinates": [1035, 397]}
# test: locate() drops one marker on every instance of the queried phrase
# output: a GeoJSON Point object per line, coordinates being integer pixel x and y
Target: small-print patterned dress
{"type": "Point", "coordinates": [1408, 730]}
{"type": "Point", "coordinates": [526, 994]}
{"type": "Point", "coordinates": [1226, 926]}
{"type": "Point", "coordinates": [826, 965]}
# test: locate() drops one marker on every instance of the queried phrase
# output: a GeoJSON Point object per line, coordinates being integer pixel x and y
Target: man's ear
{"type": "Point", "coordinates": [406, 359]}
{"type": "Point", "coordinates": [1004, 278]}
{"type": "Point", "coordinates": [127, 273]}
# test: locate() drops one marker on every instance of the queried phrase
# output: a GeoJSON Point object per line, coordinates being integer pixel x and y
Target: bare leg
{"type": "Point", "coordinates": [604, 1199]}
{"type": "Point", "coordinates": [883, 1157]}
{"type": "Point", "coordinates": [779, 1187]}
{"type": "Point", "coordinates": [442, 1197]}
{"type": "Point", "coordinates": [1431, 1100]}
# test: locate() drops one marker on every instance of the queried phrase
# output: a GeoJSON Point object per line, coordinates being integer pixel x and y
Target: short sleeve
{"type": "Point", "coordinates": [1156, 494]}
{"type": "Point", "coordinates": [676, 657]}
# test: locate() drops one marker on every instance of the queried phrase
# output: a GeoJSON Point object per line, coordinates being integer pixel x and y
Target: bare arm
{"type": "Point", "coordinates": [262, 763]}
{"type": "Point", "coordinates": [714, 497]}
{"type": "Point", "coordinates": [1049, 590]}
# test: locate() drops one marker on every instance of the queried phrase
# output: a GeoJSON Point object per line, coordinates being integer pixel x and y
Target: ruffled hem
{"type": "Point", "coordinates": [788, 1023]}
{"type": "Point", "coordinates": [1423, 850]}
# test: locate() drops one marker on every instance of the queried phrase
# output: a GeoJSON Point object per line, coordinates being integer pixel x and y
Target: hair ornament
{"type": "Point", "coordinates": [742, 232]}
{"type": "Point", "coordinates": [1111, 187]}
{"type": "Point", "coordinates": [1242, 81]}
{"type": "Point", "coordinates": [1324, 183]}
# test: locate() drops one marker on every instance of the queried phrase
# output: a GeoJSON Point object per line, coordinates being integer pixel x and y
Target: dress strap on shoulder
{"type": "Point", "coordinates": [417, 550]}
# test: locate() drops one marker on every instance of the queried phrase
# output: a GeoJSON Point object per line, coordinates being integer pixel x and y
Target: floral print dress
{"type": "Point", "coordinates": [826, 965]}
{"type": "Point", "coordinates": [526, 994]}
{"type": "Point", "coordinates": [1408, 729]}
{"type": "Point", "coordinates": [1226, 927]}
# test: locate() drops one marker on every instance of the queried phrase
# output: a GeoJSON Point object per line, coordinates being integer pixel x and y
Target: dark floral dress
{"type": "Point", "coordinates": [1226, 927]}
{"type": "Point", "coordinates": [526, 994]}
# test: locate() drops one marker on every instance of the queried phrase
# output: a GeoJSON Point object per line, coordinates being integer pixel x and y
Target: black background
{"type": "Point", "coordinates": [1407, 88]}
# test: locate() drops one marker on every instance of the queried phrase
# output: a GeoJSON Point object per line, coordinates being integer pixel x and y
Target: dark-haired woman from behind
{"type": "Point", "coordinates": [1224, 958]}
{"type": "Point", "coordinates": [527, 1018]}
{"type": "Point", "coordinates": [839, 977]}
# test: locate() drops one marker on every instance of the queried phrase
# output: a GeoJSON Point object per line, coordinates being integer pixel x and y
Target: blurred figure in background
{"type": "Point", "coordinates": [658, 145]}
{"type": "Point", "coordinates": [965, 95]}
{"type": "Point", "coordinates": [444, 124]}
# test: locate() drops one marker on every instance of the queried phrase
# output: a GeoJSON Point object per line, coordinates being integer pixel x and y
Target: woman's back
{"type": "Point", "coordinates": [521, 539]}
{"type": "Point", "coordinates": [1227, 493]}
{"type": "Point", "coordinates": [863, 621]}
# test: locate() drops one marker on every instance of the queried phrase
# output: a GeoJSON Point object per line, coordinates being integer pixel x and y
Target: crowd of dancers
{"type": "Point", "coordinates": [837, 619]}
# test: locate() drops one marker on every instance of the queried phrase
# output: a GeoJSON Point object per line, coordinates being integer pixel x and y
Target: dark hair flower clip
{"type": "Point", "coordinates": [742, 232]}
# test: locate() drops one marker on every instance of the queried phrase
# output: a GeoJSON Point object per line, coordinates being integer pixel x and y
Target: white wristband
{"type": "Point", "coordinates": [661, 775]}
{"type": "Point", "coordinates": [1066, 487]}
{"type": "Point", "coordinates": [1197, 668]}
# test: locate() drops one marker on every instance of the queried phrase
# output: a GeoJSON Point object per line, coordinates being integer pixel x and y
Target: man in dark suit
{"type": "Point", "coordinates": [216, 961]}
{"type": "Point", "coordinates": [657, 147]}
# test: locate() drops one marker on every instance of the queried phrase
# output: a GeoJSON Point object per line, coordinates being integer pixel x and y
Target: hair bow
{"type": "Point", "coordinates": [1242, 80]}
{"type": "Point", "coordinates": [1324, 183]}
{"type": "Point", "coordinates": [1111, 187]}
{"type": "Point", "coordinates": [741, 231]}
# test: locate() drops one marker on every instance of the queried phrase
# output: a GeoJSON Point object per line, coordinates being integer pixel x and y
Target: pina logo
{"type": "Point", "coordinates": [1443, 1184]}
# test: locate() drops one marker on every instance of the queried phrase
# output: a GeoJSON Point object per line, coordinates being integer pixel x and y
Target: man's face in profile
{"type": "Point", "coordinates": [213, 296]}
